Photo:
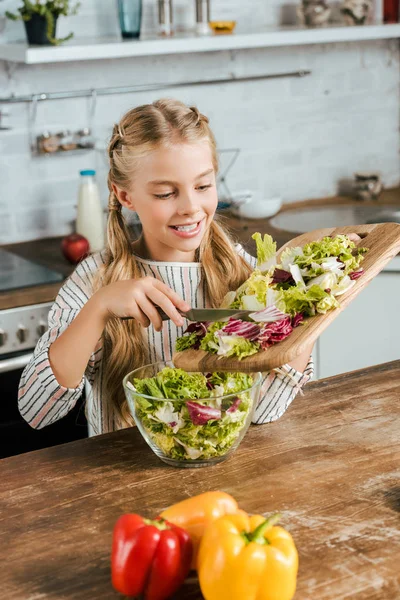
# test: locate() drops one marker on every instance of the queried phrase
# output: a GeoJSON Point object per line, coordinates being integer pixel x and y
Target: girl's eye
{"type": "Point", "coordinates": [164, 196]}
{"type": "Point", "coordinates": [202, 188]}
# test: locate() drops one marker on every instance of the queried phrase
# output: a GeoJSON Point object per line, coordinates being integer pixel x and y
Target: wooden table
{"type": "Point", "coordinates": [330, 465]}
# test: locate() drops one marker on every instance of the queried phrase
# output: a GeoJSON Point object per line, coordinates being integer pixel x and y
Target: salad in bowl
{"type": "Point", "coordinates": [191, 419]}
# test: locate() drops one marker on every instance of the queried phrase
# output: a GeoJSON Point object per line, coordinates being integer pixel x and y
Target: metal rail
{"type": "Point", "coordinates": [144, 88]}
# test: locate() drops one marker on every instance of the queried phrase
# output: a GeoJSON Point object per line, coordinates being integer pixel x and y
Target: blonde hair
{"type": "Point", "coordinates": [141, 131]}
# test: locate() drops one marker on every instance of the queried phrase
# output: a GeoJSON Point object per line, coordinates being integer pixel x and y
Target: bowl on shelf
{"type": "Point", "coordinates": [258, 208]}
{"type": "Point", "coordinates": [222, 26]}
{"type": "Point", "coordinates": [201, 427]}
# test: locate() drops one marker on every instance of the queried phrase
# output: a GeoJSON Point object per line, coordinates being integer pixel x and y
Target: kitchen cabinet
{"type": "Point", "coordinates": [367, 332]}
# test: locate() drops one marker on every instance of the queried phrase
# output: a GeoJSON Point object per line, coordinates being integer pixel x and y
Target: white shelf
{"type": "Point", "coordinates": [109, 48]}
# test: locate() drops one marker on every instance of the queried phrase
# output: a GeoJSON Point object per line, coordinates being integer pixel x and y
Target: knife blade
{"type": "Point", "coordinates": [211, 314]}
{"type": "Point", "coordinates": [205, 314]}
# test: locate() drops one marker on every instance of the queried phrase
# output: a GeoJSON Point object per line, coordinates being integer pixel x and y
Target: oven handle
{"type": "Point", "coordinates": [12, 364]}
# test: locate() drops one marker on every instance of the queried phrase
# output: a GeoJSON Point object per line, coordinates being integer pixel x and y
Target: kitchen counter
{"type": "Point", "coordinates": [48, 253]}
{"type": "Point", "coordinates": [329, 466]}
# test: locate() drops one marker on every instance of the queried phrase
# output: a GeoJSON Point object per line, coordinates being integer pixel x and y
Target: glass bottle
{"type": "Point", "coordinates": [130, 17]}
{"type": "Point", "coordinates": [89, 221]}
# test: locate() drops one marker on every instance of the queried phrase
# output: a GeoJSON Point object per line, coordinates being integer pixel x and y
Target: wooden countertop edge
{"type": "Point", "coordinates": [28, 296]}
{"type": "Point", "coordinates": [393, 366]}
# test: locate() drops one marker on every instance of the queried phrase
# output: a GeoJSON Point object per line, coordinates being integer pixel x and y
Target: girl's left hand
{"type": "Point", "coordinates": [354, 237]}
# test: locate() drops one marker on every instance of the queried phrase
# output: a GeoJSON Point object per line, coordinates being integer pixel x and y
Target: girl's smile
{"type": "Point", "coordinates": [189, 230]}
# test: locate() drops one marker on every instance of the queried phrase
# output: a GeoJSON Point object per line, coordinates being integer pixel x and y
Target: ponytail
{"type": "Point", "coordinates": [223, 269]}
{"type": "Point", "coordinates": [123, 344]}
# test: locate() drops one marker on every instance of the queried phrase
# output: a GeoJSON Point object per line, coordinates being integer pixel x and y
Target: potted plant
{"type": "Point", "coordinates": [40, 19]}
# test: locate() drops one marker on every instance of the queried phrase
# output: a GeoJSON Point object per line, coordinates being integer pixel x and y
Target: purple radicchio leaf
{"type": "Point", "coordinates": [282, 276]}
{"type": "Point", "coordinates": [356, 274]}
{"type": "Point", "coordinates": [297, 319]}
{"type": "Point", "coordinates": [272, 333]}
{"type": "Point", "coordinates": [235, 405]}
{"type": "Point", "coordinates": [199, 327]}
{"type": "Point", "coordinates": [200, 414]}
{"type": "Point", "coordinates": [268, 315]}
{"type": "Point", "coordinates": [244, 329]}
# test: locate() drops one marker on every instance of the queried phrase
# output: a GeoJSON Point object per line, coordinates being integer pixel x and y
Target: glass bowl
{"type": "Point", "coordinates": [192, 431]}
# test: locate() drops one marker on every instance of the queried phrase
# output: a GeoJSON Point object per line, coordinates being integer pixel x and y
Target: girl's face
{"type": "Point", "coordinates": [174, 194]}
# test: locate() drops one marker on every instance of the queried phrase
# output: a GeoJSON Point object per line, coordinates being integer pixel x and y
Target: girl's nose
{"type": "Point", "coordinates": [187, 205]}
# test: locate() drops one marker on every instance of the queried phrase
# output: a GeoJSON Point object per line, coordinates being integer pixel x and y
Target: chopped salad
{"type": "Point", "coordinates": [306, 281]}
{"type": "Point", "coordinates": [186, 415]}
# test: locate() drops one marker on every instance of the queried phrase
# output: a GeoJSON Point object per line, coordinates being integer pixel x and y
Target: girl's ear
{"type": "Point", "coordinates": [125, 198]}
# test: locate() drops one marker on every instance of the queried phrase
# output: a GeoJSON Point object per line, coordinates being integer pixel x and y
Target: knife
{"type": "Point", "coordinates": [205, 314]}
{"type": "Point", "coordinates": [210, 314]}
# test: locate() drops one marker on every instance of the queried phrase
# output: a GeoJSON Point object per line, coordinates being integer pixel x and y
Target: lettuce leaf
{"type": "Point", "coordinates": [266, 251]}
{"type": "Point", "coordinates": [234, 345]}
{"type": "Point", "coordinates": [186, 341]}
{"type": "Point", "coordinates": [252, 294]}
{"type": "Point", "coordinates": [299, 300]}
{"type": "Point", "coordinates": [210, 340]}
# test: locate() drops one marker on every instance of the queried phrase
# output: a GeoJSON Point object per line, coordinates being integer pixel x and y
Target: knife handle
{"type": "Point", "coordinates": [163, 315]}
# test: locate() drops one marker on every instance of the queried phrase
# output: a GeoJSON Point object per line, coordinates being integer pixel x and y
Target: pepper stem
{"type": "Point", "coordinates": [159, 523]}
{"type": "Point", "coordinates": [258, 535]}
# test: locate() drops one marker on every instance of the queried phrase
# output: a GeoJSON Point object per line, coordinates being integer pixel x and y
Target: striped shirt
{"type": "Point", "coordinates": [42, 400]}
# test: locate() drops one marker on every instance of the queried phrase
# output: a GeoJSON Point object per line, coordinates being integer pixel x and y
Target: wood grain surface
{"type": "Point", "coordinates": [330, 465]}
{"type": "Point", "coordinates": [383, 243]}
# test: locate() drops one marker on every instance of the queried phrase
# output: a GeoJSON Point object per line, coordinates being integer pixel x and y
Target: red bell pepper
{"type": "Point", "coordinates": [151, 558]}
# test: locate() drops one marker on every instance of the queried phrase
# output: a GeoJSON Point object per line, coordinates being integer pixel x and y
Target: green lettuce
{"type": "Point", "coordinates": [186, 341]}
{"type": "Point", "coordinates": [168, 424]}
{"type": "Point", "coordinates": [210, 340]}
{"type": "Point", "coordinates": [299, 300]}
{"type": "Point", "coordinates": [252, 294]}
{"type": "Point", "coordinates": [266, 251]}
{"type": "Point", "coordinates": [234, 345]}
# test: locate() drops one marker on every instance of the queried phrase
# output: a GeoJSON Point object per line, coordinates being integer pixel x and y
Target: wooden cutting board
{"type": "Point", "coordinates": [383, 243]}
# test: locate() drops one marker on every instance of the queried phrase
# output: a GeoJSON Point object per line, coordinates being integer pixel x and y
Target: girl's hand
{"type": "Point", "coordinates": [354, 237]}
{"type": "Point", "coordinates": [136, 298]}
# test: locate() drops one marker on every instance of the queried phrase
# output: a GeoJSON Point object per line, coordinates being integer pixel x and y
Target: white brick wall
{"type": "Point", "coordinates": [298, 137]}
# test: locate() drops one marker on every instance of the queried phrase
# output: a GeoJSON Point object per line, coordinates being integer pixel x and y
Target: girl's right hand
{"type": "Point", "coordinates": [136, 298]}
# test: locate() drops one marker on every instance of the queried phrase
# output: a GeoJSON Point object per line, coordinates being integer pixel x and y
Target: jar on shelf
{"type": "Point", "coordinates": [84, 138]}
{"type": "Point", "coordinates": [67, 141]}
{"type": "Point", "coordinates": [202, 17]}
{"type": "Point", "coordinates": [47, 143]}
{"type": "Point", "coordinates": [165, 19]}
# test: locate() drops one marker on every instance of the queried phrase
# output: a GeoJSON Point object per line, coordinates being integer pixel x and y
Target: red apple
{"type": "Point", "coordinates": [75, 247]}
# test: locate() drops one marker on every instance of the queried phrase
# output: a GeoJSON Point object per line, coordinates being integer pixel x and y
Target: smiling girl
{"type": "Point", "coordinates": [163, 165]}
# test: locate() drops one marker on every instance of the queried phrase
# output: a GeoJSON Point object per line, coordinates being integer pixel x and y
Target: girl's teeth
{"type": "Point", "coordinates": [186, 227]}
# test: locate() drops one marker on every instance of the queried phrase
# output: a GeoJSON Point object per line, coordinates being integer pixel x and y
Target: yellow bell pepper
{"type": "Point", "coordinates": [244, 557]}
{"type": "Point", "coordinates": [196, 513]}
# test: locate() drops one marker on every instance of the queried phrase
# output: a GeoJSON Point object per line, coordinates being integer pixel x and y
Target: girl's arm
{"type": "Point", "coordinates": [280, 386]}
{"type": "Point", "coordinates": [69, 354]}
{"type": "Point", "coordinates": [42, 400]}
{"type": "Point", "coordinates": [300, 362]}
{"type": "Point", "coordinates": [53, 380]}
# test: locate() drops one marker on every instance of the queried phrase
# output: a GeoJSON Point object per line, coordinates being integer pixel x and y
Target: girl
{"type": "Point", "coordinates": [163, 165]}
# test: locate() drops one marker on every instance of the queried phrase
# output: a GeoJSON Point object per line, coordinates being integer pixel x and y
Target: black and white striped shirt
{"type": "Point", "coordinates": [42, 400]}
